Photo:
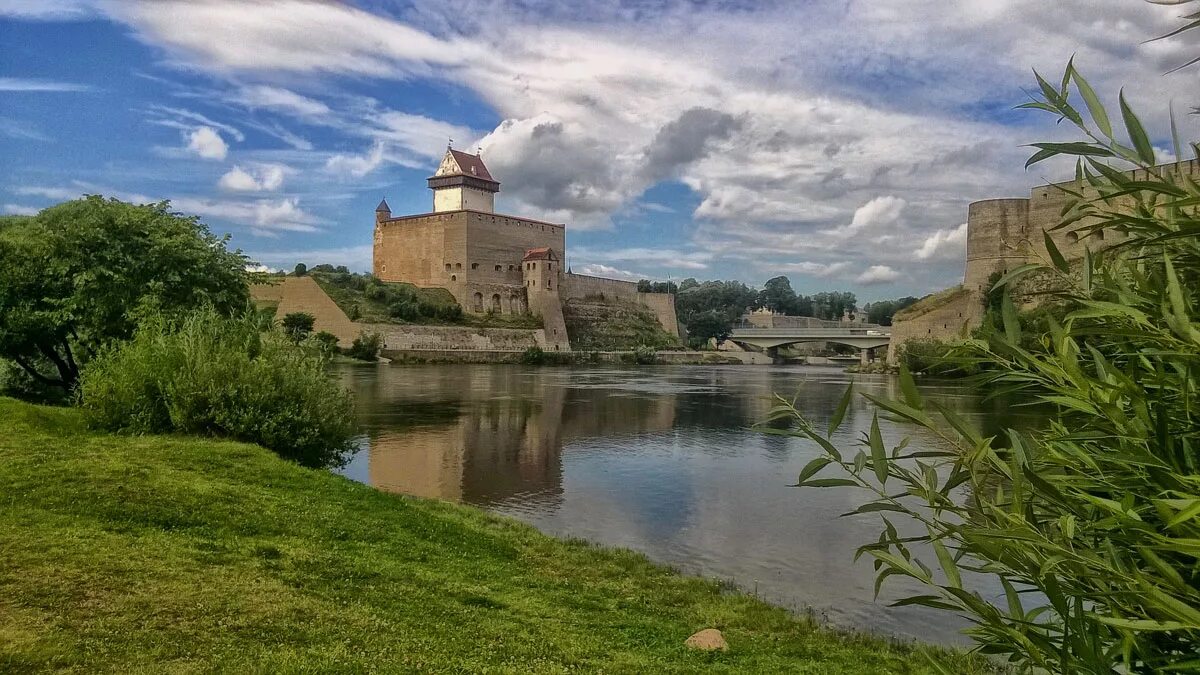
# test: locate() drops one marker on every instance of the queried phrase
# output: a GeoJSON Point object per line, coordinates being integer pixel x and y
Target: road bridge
{"type": "Point", "coordinates": [865, 338]}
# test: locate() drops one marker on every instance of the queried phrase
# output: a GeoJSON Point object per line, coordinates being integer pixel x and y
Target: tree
{"type": "Point", "coordinates": [882, 311]}
{"type": "Point", "coordinates": [79, 275]}
{"type": "Point", "coordinates": [777, 295]}
{"type": "Point", "coordinates": [1090, 525]}
{"type": "Point", "coordinates": [297, 325]}
{"type": "Point", "coordinates": [301, 269]}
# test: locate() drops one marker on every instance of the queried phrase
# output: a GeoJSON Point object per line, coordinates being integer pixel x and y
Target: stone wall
{"type": "Point", "coordinates": [398, 337]}
{"type": "Point", "coordinates": [943, 316]}
{"type": "Point", "coordinates": [662, 304]}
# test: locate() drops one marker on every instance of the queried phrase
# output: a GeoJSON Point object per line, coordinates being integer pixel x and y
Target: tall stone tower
{"type": "Point", "coordinates": [542, 271]}
{"type": "Point", "coordinates": [462, 183]}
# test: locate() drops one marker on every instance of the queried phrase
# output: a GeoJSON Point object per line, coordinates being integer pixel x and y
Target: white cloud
{"type": "Point", "coordinates": [31, 85]}
{"type": "Point", "coordinates": [357, 166]}
{"type": "Point", "coordinates": [264, 217]}
{"type": "Point", "coordinates": [261, 178]}
{"type": "Point", "coordinates": [663, 257]}
{"type": "Point", "coordinates": [877, 274]}
{"type": "Point", "coordinates": [948, 244]}
{"type": "Point", "coordinates": [810, 268]}
{"type": "Point", "coordinates": [186, 120]}
{"type": "Point", "coordinates": [207, 143]}
{"type": "Point", "coordinates": [285, 100]}
{"type": "Point", "coordinates": [597, 270]}
{"type": "Point", "coordinates": [20, 210]}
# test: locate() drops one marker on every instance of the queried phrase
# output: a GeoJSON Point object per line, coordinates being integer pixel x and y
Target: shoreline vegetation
{"type": "Point", "coordinates": [172, 552]}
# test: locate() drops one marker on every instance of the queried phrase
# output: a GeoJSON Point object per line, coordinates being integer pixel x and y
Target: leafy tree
{"type": "Point", "coordinates": [79, 275]}
{"type": "Point", "coordinates": [713, 306]}
{"type": "Point", "coordinates": [777, 295]}
{"type": "Point", "coordinates": [298, 325]}
{"type": "Point", "coordinates": [365, 347]}
{"type": "Point", "coordinates": [1091, 525]}
{"type": "Point", "coordinates": [882, 311]}
{"type": "Point", "coordinates": [300, 270]}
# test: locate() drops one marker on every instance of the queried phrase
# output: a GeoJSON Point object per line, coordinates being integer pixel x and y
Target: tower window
{"type": "Point", "coordinates": [447, 267]}
{"type": "Point", "coordinates": [458, 266]}
{"type": "Point", "coordinates": [474, 266]}
{"type": "Point", "coordinates": [500, 267]}
{"type": "Point", "coordinates": [453, 277]}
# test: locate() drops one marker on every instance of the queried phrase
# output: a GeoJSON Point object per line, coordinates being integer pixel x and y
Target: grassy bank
{"type": "Point", "coordinates": [179, 554]}
{"type": "Point", "coordinates": [613, 325]}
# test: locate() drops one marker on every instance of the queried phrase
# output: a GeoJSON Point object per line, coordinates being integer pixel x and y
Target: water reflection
{"type": "Point", "coordinates": [658, 460]}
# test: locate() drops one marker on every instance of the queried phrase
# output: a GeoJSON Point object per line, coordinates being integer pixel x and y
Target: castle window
{"type": "Point", "coordinates": [496, 303]}
{"type": "Point", "coordinates": [548, 284]}
{"type": "Point", "coordinates": [453, 277]}
{"type": "Point", "coordinates": [499, 267]}
{"type": "Point", "coordinates": [510, 268]}
{"type": "Point", "coordinates": [1072, 237]}
{"type": "Point", "coordinates": [478, 303]}
{"type": "Point", "coordinates": [458, 266]}
{"type": "Point", "coordinates": [474, 266]}
{"type": "Point", "coordinates": [447, 267]}
{"type": "Point", "coordinates": [1100, 235]}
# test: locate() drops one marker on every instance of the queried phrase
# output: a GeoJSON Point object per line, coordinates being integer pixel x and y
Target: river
{"type": "Point", "coordinates": [661, 460]}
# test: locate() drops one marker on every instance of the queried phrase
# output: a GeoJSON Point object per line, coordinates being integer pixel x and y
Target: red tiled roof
{"type": "Point", "coordinates": [471, 165]}
{"type": "Point", "coordinates": [540, 253]}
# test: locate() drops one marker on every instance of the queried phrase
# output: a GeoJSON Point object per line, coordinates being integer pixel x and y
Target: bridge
{"type": "Point", "coordinates": [866, 338]}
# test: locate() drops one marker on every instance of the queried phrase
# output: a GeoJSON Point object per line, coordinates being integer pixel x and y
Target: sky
{"type": "Point", "coordinates": [837, 142]}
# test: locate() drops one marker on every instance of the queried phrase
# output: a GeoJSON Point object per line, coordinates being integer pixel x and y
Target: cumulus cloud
{"type": "Point", "coordinates": [357, 166]}
{"type": "Point", "coordinates": [947, 244]}
{"type": "Point", "coordinates": [262, 178]}
{"type": "Point", "coordinates": [877, 274]}
{"type": "Point", "coordinates": [264, 217]}
{"type": "Point", "coordinates": [20, 210]}
{"type": "Point", "coordinates": [810, 268]}
{"type": "Point", "coordinates": [205, 142]}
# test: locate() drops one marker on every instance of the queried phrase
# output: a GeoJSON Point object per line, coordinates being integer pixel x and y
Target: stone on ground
{"type": "Point", "coordinates": [708, 640]}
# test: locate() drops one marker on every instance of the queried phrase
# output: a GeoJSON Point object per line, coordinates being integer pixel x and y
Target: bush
{"type": "Point", "coordinates": [645, 355]}
{"type": "Point", "coordinates": [534, 356]}
{"type": "Point", "coordinates": [934, 357]}
{"type": "Point", "coordinates": [300, 270]}
{"type": "Point", "coordinates": [297, 325]}
{"type": "Point", "coordinates": [1092, 525]}
{"type": "Point", "coordinates": [365, 347]}
{"type": "Point", "coordinates": [209, 375]}
{"type": "Point", "coordinates": [325, 342]}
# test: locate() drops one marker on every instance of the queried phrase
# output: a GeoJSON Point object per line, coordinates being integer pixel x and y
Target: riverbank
{"type": "Point", "coordinates": [170, 553]}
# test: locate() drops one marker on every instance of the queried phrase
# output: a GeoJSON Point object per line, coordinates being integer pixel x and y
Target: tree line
{"type": "Point", "coordinates": [710, 309]}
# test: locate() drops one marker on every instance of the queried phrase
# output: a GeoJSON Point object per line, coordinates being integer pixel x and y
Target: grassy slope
{"type": "Point", "coordinates": [929, 303]}
{"type": "Point", "coordinates": [178, 554]}
{"type": "Point", "coordinates": [372, 311]}
{"type": "Point", "coordinates": [613, 325]}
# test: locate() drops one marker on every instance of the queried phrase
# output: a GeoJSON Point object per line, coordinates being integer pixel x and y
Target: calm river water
{"type": "Point", "coordinates": [660, 460]}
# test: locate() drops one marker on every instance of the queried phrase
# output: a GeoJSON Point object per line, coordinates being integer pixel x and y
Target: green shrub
{"type": "Point", "coordinates": [534, 356]}
{"type": "Point", "coordinates": [324, 342]}
{"type": "Point", "coordinates": [645, 355]}
{"type": "Point", "coordinates": [297, 325]}
{"type": "Point", "coordinates": [365, 347]}
{"type": "Point", "coordinates": [208, 375]}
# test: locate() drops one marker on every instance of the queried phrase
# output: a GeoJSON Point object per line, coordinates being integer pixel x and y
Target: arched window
{"type": "Point", "coordinates": [513, 304]}
{"type": "Point", "coordinates": [458, 266]}
{"type": "Point", "coordinates": [1072, 237]}
{"type": "Point", "coordinates": [499, 268]}
{"type": "Point", "coordinates": [453, 277]}
{"type": "Point", "coordinates": [496, 303]}
{"type": "Point", "coordinates": [478, 304]}
{"type": "Point", "coordinates": [447, 267]}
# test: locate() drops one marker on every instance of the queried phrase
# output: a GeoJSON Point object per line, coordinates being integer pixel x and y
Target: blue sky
{"type": "Point", "coordinates": [835, 141]}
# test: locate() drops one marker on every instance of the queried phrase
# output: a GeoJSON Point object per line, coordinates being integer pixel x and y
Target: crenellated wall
{"type": "Point", "coordinates": [662, 304]}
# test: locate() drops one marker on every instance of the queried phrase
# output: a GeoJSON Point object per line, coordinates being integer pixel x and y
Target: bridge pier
{"type": "Point", "coordinates": [866, 356]}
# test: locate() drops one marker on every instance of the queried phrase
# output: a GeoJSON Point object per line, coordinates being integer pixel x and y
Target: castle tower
{"type": "Point", "coordinates": [382, 212]}
{"type": "Point", "coordinates": [462, 183]}
{"type": "Point", "coordinates": [542, 270]}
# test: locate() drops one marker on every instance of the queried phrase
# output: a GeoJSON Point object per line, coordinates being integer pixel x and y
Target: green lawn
{"type": "Point", "coordinates": [172, 554]}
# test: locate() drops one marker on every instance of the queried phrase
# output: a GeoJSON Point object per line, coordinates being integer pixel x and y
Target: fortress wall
{"type": "Point", "coordinates": [997, 238]}
{"type": "Point", "coordinates": [410, 249]}
{"type": "Point", "coordinates": [302, 294]}
{"type": "Point", "coordinates": [662, 304]}
{"type": "Point", "coordinates": [497, 240]}
{"type": "Point", "coordinates": [413, 337]}
{"type": "Point", "coordinates": [963, 311]}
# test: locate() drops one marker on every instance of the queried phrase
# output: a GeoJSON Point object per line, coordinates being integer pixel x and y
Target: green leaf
{"type": "Point", "coordinates": [828, 482]}
{"type": "Point", "coordinates": [947, 561]}
{"type": "Point", "coordinates": [1015, 274]}
{"type": "Point", "coordinates": [812, 468]}
{"type": "Point", "coordinates": [840, 413]}
{"type": "Point", "coordinates": [1137, 133]}
{"type": "Point", "coordinates": [1056, 257]}
{"type": "Point", "coordinates": [1095, 108]}
{"type": "Point", "coordinates": [1012, 323]}
{"type": "Point", "coordinates": [879, 461]}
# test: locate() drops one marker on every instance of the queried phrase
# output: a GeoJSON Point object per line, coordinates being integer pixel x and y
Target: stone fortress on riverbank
{"type": "Point", "coordinates": [1003, 234]}
{"type": "Point", "coordinates": [492, 262]}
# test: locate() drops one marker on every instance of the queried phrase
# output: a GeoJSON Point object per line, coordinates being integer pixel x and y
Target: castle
{"type": "Point", "coordinates": [492, 262]}
{"type": "Point", "coordinates": [1003, 234]}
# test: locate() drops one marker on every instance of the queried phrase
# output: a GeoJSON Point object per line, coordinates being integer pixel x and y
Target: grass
{"type": "Point", "coordinates": [373, 311]}
{"type": "Point", "coordinates": [175, 554]}
{"type": "Point", "coordinates": [613, 325]}
{"type": "Point", "coordinates": [929, 303]}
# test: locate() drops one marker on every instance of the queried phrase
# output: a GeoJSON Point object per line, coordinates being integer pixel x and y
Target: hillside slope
{"type": "Point", "coordinates": [613, 325]}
